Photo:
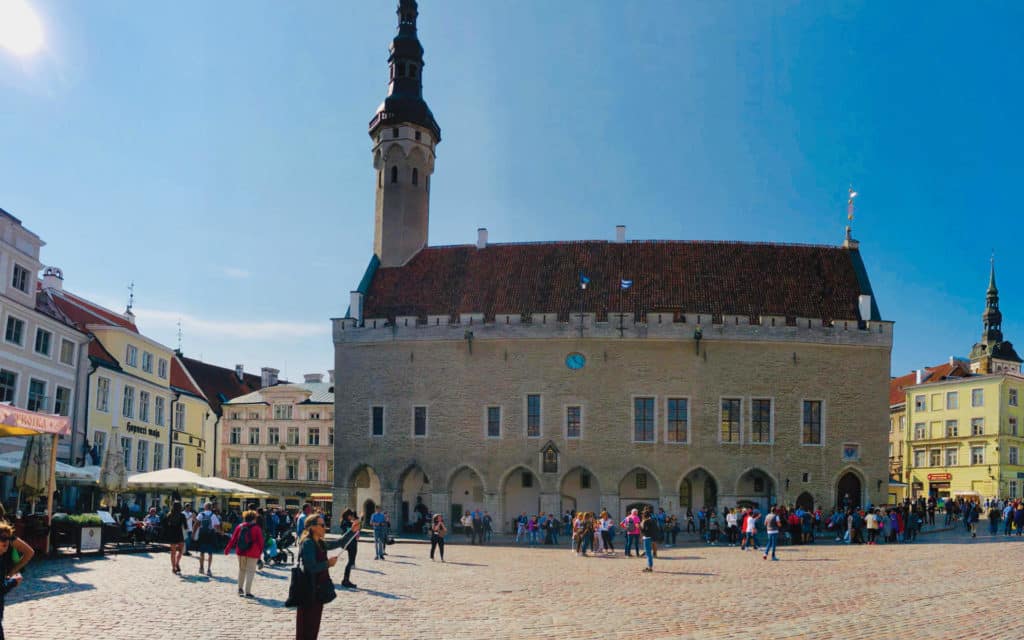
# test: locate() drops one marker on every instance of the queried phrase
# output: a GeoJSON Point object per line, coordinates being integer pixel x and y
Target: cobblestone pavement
{"type": "Point", "coordinates": [945, 586]}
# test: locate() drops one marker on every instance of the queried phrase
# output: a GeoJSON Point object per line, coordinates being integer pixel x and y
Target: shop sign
{"type": "Point", "coordinates": [1020, 474]}
{"type": "Point", "coordinates": [134, 428]}
{"type": "Point", "coordinates": [91, 540]}
{"type": "Point", "coordinates": [940, 476]}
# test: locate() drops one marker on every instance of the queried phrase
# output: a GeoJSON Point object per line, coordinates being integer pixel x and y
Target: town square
{"type": "Point", "coordinates": [696, 322]}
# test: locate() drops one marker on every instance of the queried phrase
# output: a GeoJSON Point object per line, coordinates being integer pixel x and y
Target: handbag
{"type": "Point", "coordinates": [300, 589]}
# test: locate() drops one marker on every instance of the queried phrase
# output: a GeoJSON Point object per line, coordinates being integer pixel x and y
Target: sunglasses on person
{"type": "Point", "coordinates": [5, 539]}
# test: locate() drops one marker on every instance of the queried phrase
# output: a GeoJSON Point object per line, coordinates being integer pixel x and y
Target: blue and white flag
{"type": "Point", "coordinates": [625, 284]}
{"type": "Point", "coordinates": [584, 281]}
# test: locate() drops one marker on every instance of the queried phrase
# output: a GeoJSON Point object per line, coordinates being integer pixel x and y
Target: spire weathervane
{"type": "Point", "coordinates": [850, 242]}
{"type": "Point", "coordinates": [179, 335]}
{"type": "Point", "coordinates": [131, 297]}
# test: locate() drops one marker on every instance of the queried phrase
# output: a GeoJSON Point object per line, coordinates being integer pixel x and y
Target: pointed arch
{"type": "Point", "coordinates": [465, 467]}
{"type": "Point", "coordinates": [858, 473]}
{"type": "Point", "coordinates": [580, 490]}
{"type": "Point", "coordinates": [522, 496]}
{"type": "Point", "coordinates": [698, 487]}
{"type": "Point", "coordinates": [414, 487]}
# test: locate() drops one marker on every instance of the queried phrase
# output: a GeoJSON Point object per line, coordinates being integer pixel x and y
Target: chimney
{"type": "Point", "coordinates": [330, 375]}
{"type": "Point", "coordinates": [355, 306]}
{"type": "Point", "coordinates": [919, 378]}
{"type": "Point", "coordinates": [481, 238]}
{"type": "Point", "coordinates": [268, 377]}
{"type": "Point", "coordinates": [313, 377]}
{"type": "Point", "coordinates": [952, 360]}
{"type": "Point", "coordinates": [620, 233]}
{"type": "Point", "coordinates": [864, 306]}
{"type": "Point", "coordinates": [53, 278]}
{"type": "Point", "coordinates": [240, 373]}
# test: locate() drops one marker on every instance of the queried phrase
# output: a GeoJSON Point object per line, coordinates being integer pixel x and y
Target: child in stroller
{"type": "Point", "coordinates": [278, 551]}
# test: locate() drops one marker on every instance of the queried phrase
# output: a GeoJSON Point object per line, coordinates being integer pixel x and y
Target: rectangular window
{"type": "Point", "coordinates": [573, 422]}
{"type": "Point", "coordinates": [179, 460]}
{"type": "Point", "coordinates": [731, 419]}
{"type": "Point", "coordinates": [161, 368]}
{"type": "Point", "coordinates": [918, 457]}
{"type": "Point", "coordinates": [920, 403]}
{"type": "Point", "coordinates": [313, 436]}
{"type": "Point", "coordinates": [1013, 425]}
{"type": "Point", "coordinates": [15, 331]}
{"type": "Point", "coordinates": [254, 435]}
{"type": "Point", "coordinates": [103, 394]}
{"type": "Point", "coordinates": [199, 460]}
{"type": "Point", "coordinates": [919, 431]}
{"type": "Point", "coordinates": [273, 435]}
{"type": "Point", "coordinates": [8, 385]}
{"type": "Point", "coordinates": [254, 415]}
{"type": "Point", "coordinates": [761, 420]}
{"type": "Point", "coordinates": [890, 449]}
{"type": "Point", "coordinates": [147, 362]}
{"type": "Point", "coordinates": [330, 435]}
{"type": "Point", "coordinates": [977, 397]}
{"type": "Point", "coordinates": [37, 400]}
{"type": "Point", "coordinates": [234, 467]}
{"type": "Point", "coordinates": [271, 469]}
{"type": "Point", "coordinates": [533, 416]}
{"type": "Point", "coordinates": [1014, 455]}
{"type": "Point", "coordinates": [282, 412]}
{"type": "Point", "coordinates": [20, 280]}
{"type": "Point", "coordinates": [235, 435]}
{"type": "Point", "coordinates": [952, 400]}
{"type": "Point", "coordinates": [977, 455]}
{"type": "Point", "coordinates": [158, 456]}
{"type": "Point", "coordinates": [1013, 489]}
{"type": "Point", "coordinates": [62, 401]}
{"type": "Point", "coordinates": [377, 421]}
{"type": "Point", "coordinates": [526, 480]}
{"type": "Point", "coordinates": [677, 420]}
{"type": "Point", "coordinates": [640, 480]}
{"type": "Point", "coordinates": [936, 401]}
{"type": "Point", "coordinates": [158, 411]}
{"type": "Point", "coordinates": [1013, 397]}
{"type": "Point", "coordinates": [43, 342]}
{"type": "Point", "coordinates": [144, 406]}
{"type": "Point", "coordinates": [934, 457]}
{"type": "Point", "coordinates": [132, 356]}
{"type": "Point", "coordinates": [313, 470]}
{"type": "Point", "coordinates": [643, 419]}
{"type": "Point", "coordinates": [99, 440]}
{"type": "Point", "coordinates": [812, 422]}
{"type": "Point", "coordinates": [128, 404]}
{"type": "Point", "coordinates": [313, 415]}
{"type": "Point", "coordinates": [143, 455]}
{"type": "Point", "coordinates": [179, 416]}
{"type": "Point", "coordinates": [903, 423]}
{"type": "Point", "coordinates": [254, 468]}
{"type": "Point", "coordinates": [291, 469]}
{"type": "Point", "coordinates": [419, 421]}
{"type": "Point", "coordinates": [493, 422]}
{"type": "Point", "coordinates": [977, 426]}
{"type": "Point", "coordinates": [293, 436]}
{"type": "Point", "coordinates": [126, 445]}
{"type": "Point", "coordinates": [951, 457]}
{"type": "Point", "coordinates": [951, 428]}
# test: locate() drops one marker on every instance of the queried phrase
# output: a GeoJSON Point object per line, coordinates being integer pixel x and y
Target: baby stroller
{"type": "Point", "coordinates": [281, 554]}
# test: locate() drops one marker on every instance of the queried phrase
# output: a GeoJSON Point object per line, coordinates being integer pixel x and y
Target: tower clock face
{"type": "Point", "coordinates": [575, 361]}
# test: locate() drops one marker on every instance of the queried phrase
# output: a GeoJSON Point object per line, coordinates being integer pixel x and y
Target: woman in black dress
{"type": "Point", "coordinates": [348, 518]}
{"type": "Point", "coordinates": [174, 535]}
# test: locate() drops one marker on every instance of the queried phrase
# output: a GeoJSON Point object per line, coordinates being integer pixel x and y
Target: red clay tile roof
{"type": "Point", "coordinates": [82, 312]}
{"type": "Point", "coordinates": [181, 380]}
{"type": "Point", "coordinates": [750, 279]}
{"type": "Point", "coordinates": [898, 386]}
{"type": "Point", "coordinates": [99, 353]}
{"type": "Point", "coordinates": [218, 383]}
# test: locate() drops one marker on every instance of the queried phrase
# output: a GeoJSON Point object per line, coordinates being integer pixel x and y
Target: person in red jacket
{"type": "Point", "coordinates": [247, 541]}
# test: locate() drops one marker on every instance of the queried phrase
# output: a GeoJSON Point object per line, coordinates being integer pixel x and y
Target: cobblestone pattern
{"type": "Point", "coordinates": [946, 586]}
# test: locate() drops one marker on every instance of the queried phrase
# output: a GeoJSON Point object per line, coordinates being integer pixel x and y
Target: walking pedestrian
{"type": "Point", "coordinates": [315, 563]}
{"type": "Point", "coordinates": [771, 527]}
{"type": "Point", "coordinates": [174, 534]}
{"type": "Point", "coordinates": [631, 525]}
{"type": "Point", "coordinates": [379, 522]}
{"type": "Point", "coordinates": [348, 520]}
{"type": "Point", "coordinates": [206, 527]}
{"type": "Point", "coordinates": [437, 533]}
{"type": "Point", "coordinates": [749, 530]}
{"type": "Point", "coordinates": [648, 531]}
{"type": "Point", "coordinates": [606, 533]}
{"type": "Point", "coordinates": [247, 543]}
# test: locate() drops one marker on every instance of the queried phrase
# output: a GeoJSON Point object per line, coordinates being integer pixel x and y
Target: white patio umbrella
{"type": "Point", "coordinates": [34, 471]}
{"type": "Point", "coordinates": [166, 481]}
{"type": "Point", "coordinates": [227, 487]}
{"type": "Point", "coordinates": [113, 475]}
{"type": "Point", "coordinates": [10, 462]}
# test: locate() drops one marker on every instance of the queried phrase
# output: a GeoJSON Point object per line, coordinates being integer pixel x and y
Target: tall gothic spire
{"type": "Point", "coordinates": [993, 318]}
{"type": "Point", "coordinates": [404, 102]}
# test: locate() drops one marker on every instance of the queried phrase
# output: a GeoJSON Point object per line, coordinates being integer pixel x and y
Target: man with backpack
{"type": "Point", "coordinates": [205, 533]}
{"type": "Point", "coordinates": [247, 541]}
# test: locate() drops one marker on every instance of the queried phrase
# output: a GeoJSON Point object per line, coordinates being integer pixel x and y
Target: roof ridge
{"type": "Point", "coordinates": [764, 243]}
{"type": "Point", "coordinates": [84, 304]}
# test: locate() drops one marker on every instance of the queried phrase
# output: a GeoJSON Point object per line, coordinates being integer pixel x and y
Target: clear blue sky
{"type": "Point", "coordinates": [217, 154]}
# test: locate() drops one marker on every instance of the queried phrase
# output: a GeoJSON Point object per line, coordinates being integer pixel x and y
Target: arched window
{"type": "Point", "coordinates": [412, 71]}
{"type": "Point", "coordinates": [380, 178]}
{"type": "Point", "coordinates": [394, 175]}
{"type": "Point", "coordinates": [415, 177]}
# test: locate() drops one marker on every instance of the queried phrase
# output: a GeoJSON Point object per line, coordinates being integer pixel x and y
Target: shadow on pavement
{"type": "Point", "coordinates": [379, 573]}
{"type": "Point", "coordinates": [466, 564]}
{"type": "Point", "coordinates": [681, 573]}
{"type": "Point", "coordinates": [381, 594]}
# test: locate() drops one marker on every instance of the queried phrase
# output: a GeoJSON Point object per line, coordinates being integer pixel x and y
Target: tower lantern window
{"type": "Point", "coordinates": [415, 177]}
{"type": "Point", "coordinates": [394, 175]}
{"type": "Point", "coordinates": [394, 132]}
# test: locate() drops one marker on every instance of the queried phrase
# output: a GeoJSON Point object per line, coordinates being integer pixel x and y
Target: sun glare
{"type": "Point", "coordinates": [21, 32]}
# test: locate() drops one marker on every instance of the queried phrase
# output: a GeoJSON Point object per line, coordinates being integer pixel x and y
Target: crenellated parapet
{"type": "Point", "coordinates": [658, 326]}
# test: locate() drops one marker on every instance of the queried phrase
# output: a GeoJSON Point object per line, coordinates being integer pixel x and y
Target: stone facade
{"type": "Point", "coordinates": [456, 379]}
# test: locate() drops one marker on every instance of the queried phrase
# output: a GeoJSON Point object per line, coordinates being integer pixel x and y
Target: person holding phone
{"type": "Point", "coordinates": [437, 533]}
{"type": "Point", "coordinates": [316, 564]}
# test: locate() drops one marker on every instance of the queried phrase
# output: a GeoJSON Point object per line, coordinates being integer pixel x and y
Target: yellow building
{"type": "Point", "coordinates": [193, 423]}
{"type": "Point", "coordinates": [964, 434]}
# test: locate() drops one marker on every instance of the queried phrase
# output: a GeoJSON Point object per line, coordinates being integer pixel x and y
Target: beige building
{"type": "Point", "coordinates": [280, 439]}
{"type": "Point", "coordinates": [579, 375]}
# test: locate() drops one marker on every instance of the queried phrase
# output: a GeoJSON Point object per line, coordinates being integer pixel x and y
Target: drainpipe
{"type": "Point", "coordinates": [170, 432]}
{"type": "Point", "coordinates": [83, 352]}
{"type": "Point", "coordinates": [216, 428]}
